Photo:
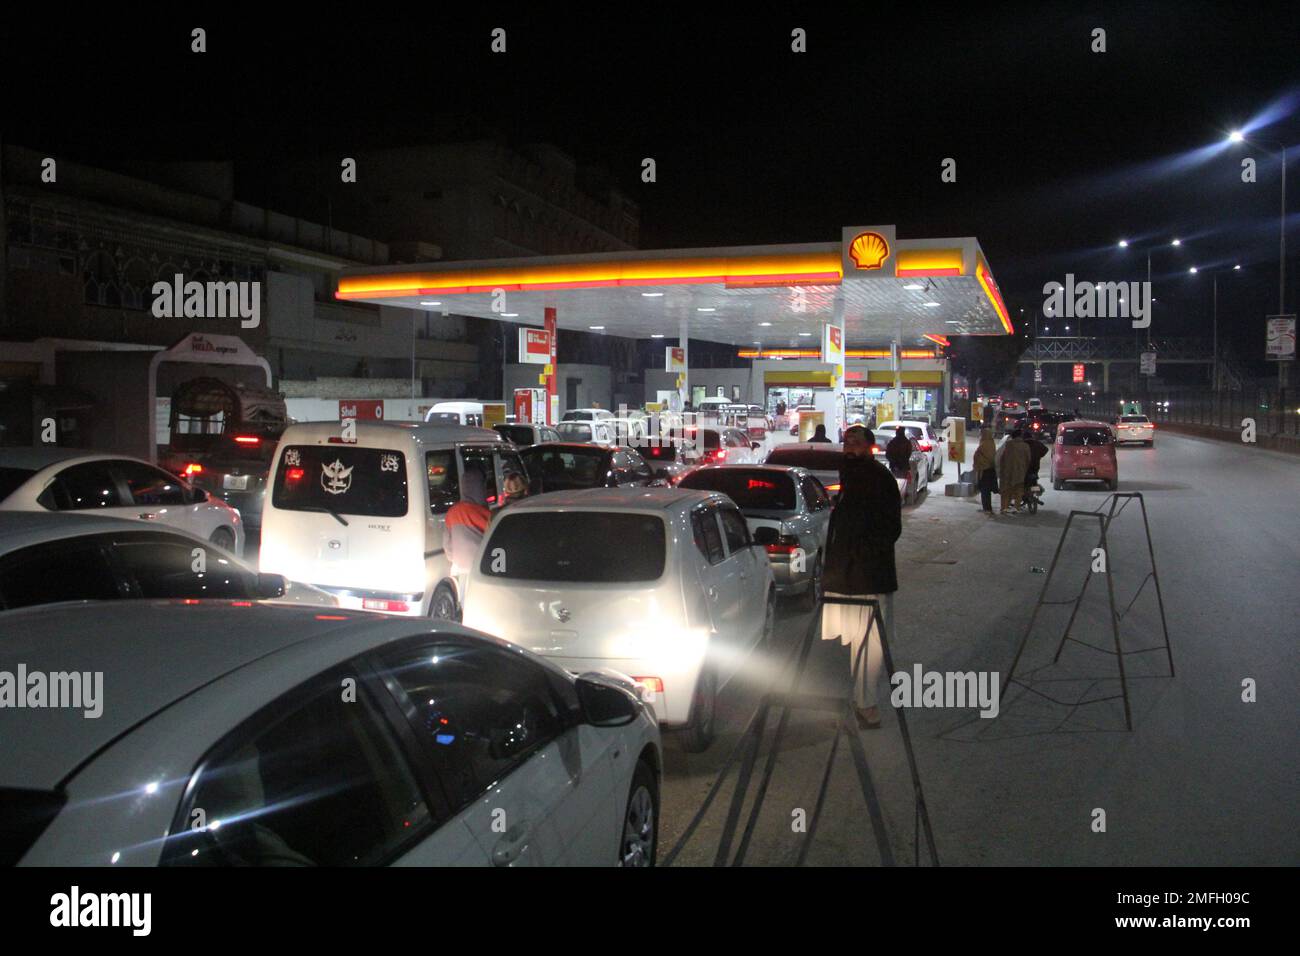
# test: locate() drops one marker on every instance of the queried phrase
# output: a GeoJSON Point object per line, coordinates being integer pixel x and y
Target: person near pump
{"type": "Point", "coordinates": [859, 563]}
{"type": "Point", "coordinates": [819, 435]}
{"type": "Point", "coordinates": [985, 468]}
{"type": "Point", "coordinates": [467, 521]}
{"type": "Point", "coordinates": [1037, 452]}
{"type": "Point", "coordinates": [1013, 464]}
{"type": "Point", "coordinates": [899, 452]}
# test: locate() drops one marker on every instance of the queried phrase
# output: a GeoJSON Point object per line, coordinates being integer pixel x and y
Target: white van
{"type": "Point", "coordinates": [455, 413]}
{"type": "Point", "coordinates": [363, 520]}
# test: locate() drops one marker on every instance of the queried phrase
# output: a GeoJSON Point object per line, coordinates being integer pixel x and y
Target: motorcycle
{"type": "Point", "coordinates": [1032, 498]}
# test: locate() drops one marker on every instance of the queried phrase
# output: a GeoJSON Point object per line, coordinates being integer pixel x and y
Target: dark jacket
{"type": "Point", "coordinates": [899, 451]}
{"type": "Point", "coordinates": [867, 520]}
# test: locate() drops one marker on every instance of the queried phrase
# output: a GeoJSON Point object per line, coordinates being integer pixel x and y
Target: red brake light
{"type": "Point", "coordinates": [875, 450]}
{"type": "Point", "coordinates": [193, 468]}
{"type": "Point", "coordinates": [758, 483]}
{"type": "Point", "coordinates": [248, 439]}
{"type": "Point", "coordinates": [925, 445]}
{"type": "Point", "coordinates": [836, 487]}
{"type": "Point", "coordinates": [294, 475]}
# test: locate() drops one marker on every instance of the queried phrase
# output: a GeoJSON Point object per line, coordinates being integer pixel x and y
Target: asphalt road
{"type": "Point", "coordinates": [1204, 778]}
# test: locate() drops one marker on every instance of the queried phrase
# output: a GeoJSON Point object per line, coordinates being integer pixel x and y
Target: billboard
{"type": "Point", "coordinates": [868, 252]}
{"type": "Point", "coordinates": [1280, 344]}
{"type": "Point", "coordinates": [534, 346]}
{"type": "Point", "coordinates": [674, 359]}
{"type": "Point", "coordinates": [362, 409]}
{"type": "Point", "coordinates": [1078, 373]}
{"type": "Point", "coordinates": [1147, 363]}
{"type": "Point", "coordinates": [832, 344]}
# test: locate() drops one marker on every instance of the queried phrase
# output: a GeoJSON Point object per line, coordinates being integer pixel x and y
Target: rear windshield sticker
{"type": "Point", "coordinates": [335, 478]}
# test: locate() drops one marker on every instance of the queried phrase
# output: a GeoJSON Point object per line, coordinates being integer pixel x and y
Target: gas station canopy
{"type": "Point", "coordinates": [883, 289]}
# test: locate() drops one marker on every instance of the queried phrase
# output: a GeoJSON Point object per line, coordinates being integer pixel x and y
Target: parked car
{"type": "Point", "coordinates": [52, 558]}
{"type": "Point", "coordinates": [820, 459]}
{"type": "Point", "coordinates": [587, 415]}
{"type": "Point", "coordinates": [1135, 428]}
{"type": "Point", "coordinates": [927, 439]}
{"type": "Point", "coordinates": [1084, 451]}
{"type": "Point", "coordinates": [524, 435]}
{"type": "Point", "coordinates": [66, 480]}
{"type": "Point", "coordinates": [569, 466]}
{"type": "Point", "coordinates": [787, 510]}
{"type": "Point", "coordinates": [917, 480]}
{"type": "Point", "coordinates": [363, 520]}
{"type": "Point", "coordinates": [667, 457]}
{"type": "Point", "coordinates": [665, 585]}
{"type": "Point", "coordinates": [588, 430]}
{"type": "Point", "coordinates": [726, 445]}
{"type": "Point", "coordinates": [455, 413]}
{"type": "Point", "coordinates": [272, 736]}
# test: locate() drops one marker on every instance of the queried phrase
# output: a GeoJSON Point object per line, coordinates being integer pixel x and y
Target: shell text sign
{"type": "Point", "coordinates": [869, 250]}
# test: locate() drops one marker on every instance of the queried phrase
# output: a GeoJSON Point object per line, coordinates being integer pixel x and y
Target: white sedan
{"type": "Point", "coordinates": [69, 481]}
{"type": "Point", "coordinates": [1135, 428]}
{"type": "Point", "coordinates": [665, 585]}
{"type": "Point", "coordinates": [930, 441]}
{"type": "Point", "coordinates": [273, 736]}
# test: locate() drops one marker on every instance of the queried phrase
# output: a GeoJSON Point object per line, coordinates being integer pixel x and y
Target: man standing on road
{"type": "Point", "coordinates": [859, 563]}
{"type": "Point", "coordinates": [466, 521]}
{"type": "Point", "coordinates": [899, 452]}
{"type": "Point", "coordinates": [1015, 457]}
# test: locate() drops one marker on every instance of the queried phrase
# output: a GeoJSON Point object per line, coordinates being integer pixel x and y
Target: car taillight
{"type": "Point", "coordinates": [193, 468]}
{"type": "Point", "coordinates": [875, 449]}
{"type": "Point", "coordinates": [248, 440]}
{"type": "Point", "coordinates": [653, 684]}
{"type": "Point", "coordinates": [294, 475]}
{"type": "Point", "coordinates": [924, 445]}
{"type": "Point", "coordinates": [376, 604]}
{"type": "Point", "coordinates": [835, 487]}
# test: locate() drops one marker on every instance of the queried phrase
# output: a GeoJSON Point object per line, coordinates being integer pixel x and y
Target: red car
{"type": "Point", "coordinates": [1084, 451]}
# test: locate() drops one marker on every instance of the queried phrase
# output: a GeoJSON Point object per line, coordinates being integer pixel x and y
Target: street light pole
{"type": "Point", "coordinates": [1214, 375]}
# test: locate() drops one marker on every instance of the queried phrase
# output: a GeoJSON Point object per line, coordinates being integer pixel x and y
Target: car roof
{"type": "Point", "coordinates": [1084, 423]}
{"type": "Point", "coordinates": [615, 499]}
{"type": "Point", "coordinates": [809, 446]}
{"type": "Point", "coordinates": [577, 445]}
{"type": "Point", "coordinates": [20, 529]}
{"type": "Point", "coordinates": [420, 432]}
{"type": "Point", "coordinates": [42, 456]}
{"type": "Point", "coordinates": [152, 654]}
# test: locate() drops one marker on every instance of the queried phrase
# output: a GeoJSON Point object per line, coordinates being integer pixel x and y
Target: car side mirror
{"type": "Point", "coordinates": [755, 445]}
{"type": "Point", "coordinates": [766, 535]}
{"type": "Point", "coordinates": [270, 585]}
{"type": "Point", "coordinates": [604, 705]}
{"type": "Point", "coordinates": [197, 495]}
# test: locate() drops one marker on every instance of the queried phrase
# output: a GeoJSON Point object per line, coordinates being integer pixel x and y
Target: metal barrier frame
{"type": "Point", "coordinates": [1116, 615]}
{"type": "Point", "coordinates": [751, 741]}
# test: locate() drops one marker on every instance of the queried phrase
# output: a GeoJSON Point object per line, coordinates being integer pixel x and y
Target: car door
{"type": "Point", "coordinates": [319, 777]}
{"type": "Point", "coordinates": [743, 580]}
{"type": "Point", "coordinates": [156, 496]}
{"type": "Point", "coordinates": [520, 772]}
{"type": "Point", "coordinates": [707, 534]}
{"type": "Point", "coordinates": [817, 501]}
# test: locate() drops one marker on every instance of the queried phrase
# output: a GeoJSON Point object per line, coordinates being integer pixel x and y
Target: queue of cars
{"type": "Point", "coordinates": [618, 605]}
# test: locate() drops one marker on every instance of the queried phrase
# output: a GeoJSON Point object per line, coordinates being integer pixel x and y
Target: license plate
{"type": "Point", "coordinates": [235, 482]}
{"type": "Point", "coordinates": [1087, 471]}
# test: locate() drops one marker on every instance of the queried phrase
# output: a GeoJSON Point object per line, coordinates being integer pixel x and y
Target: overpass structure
{"type": "Point", "coordinates": [1123, 350]}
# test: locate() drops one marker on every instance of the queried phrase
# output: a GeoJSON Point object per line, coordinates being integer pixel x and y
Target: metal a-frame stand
{"type": "Point", "coordinates": [1116, 615]}
{"type": "Point", "coordinates": [751, 741]}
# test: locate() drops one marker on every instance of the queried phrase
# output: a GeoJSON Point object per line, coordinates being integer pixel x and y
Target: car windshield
{"type": "Point", "coordinates": [1141, 419]}
{"type": "Point", "coordinates": [567, 469]}
{"type": "Point", "coordinates": [519, 434]}
{"type": "Point", "coordinates": [753, 489]}
{"type": "Point", "coordinates": [815, 459]}
{"type": "Point", "coordinates": [11, 478]}
{"type": "Point", "coordinates": [343, 479]}
{"type": "Point", "coordinates": [576, 546]}
{"type": "Point", "coordinates": [1086, 436]}
{"type": "Point", "coordinates": [443, 418]}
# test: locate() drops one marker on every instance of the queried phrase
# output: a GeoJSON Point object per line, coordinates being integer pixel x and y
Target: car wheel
{"type": "Point", "coordinates": [1057, 484]}
{"type": "Point", "coordinates": [224, 538]}
{"type": "Point", "coordinates": [444, 606]}
{"type": "Point", "coordinates": [639, 843]}
{"type": "Point", "coordinates": [704, 714]}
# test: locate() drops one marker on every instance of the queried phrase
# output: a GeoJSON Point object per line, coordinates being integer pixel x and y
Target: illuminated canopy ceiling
{"type": "Point", "coordinates": [741, 296]}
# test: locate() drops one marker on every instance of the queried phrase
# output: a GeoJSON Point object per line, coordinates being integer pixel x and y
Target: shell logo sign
{"type": "Point", "coordinates": [869, 250]}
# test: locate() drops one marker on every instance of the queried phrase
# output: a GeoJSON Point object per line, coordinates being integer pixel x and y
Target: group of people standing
{"type": "Point", "coordinates": [1010, 469]}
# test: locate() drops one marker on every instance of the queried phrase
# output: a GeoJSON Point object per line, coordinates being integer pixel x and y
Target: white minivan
{"type": "Point", "coordinates": [363, 519]}
{"type": "Point", "coordinates": [455, 413]}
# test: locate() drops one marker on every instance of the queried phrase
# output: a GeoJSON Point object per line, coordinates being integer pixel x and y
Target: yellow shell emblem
{"type": "Point", "coordinates": [869, 250]}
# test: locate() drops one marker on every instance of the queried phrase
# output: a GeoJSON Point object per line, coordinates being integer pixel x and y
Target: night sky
{"type": "Point", "coordinates": [1060, 151]}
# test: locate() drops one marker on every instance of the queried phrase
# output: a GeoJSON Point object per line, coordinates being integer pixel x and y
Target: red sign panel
{"type": "Point", "coordinates": [1078, 373]}
{"type": "Point", "coordinates": [362, 409]}
{"type": "Point", "coordinates": [534, 347]}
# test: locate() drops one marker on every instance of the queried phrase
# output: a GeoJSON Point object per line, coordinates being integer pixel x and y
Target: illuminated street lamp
{"type": "Point", "coordinates": [1175, 243]}
{"type": "Point", "coordinates": [1215, 373]}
